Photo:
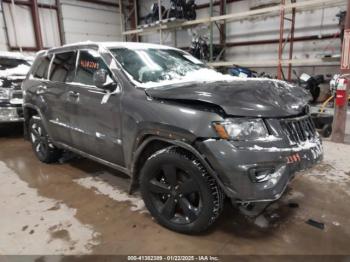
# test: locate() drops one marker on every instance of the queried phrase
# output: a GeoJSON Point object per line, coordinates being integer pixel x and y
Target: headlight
{"type": "Point", "coordinates": [5, 93]}
{"type": "Point", "coordinates": [241, 129]}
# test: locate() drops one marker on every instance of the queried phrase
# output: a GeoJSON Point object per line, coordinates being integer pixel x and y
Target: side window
{"type": "Point", "coordinates": [41, 67]}
{"type": "Point", "coordinates": [63, 67]}
{"type": "Point", "coordinates": [89, 62]}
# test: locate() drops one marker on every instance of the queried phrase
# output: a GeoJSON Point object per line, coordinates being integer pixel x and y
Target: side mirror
{"type": "Point", "coordinates": [101, 80]}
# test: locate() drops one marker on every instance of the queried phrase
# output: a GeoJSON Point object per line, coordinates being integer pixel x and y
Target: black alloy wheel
{"type": "Point", "coordinates": [178, 191]}
{"type": "Point", "coordinates": [176, 195]}
{"type": "Point", "coordinates": [42, 147]}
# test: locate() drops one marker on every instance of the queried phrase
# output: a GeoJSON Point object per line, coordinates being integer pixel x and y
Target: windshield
{"type": "Point", "coordinates": [156, 65]}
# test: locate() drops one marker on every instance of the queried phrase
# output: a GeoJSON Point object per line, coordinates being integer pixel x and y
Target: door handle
{"type": "Point", "coordinates": [73, 94]}
{"type": "Point", "coordinates": [41, 90]}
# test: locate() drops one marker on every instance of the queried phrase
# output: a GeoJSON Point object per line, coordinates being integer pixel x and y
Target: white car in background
{"type": "Point", "coordinates": [13, 70]}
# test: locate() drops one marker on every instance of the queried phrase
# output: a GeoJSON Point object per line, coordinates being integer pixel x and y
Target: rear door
{"type": "Point", "coordinates": [96, 127]}
{"type": "Point", "coordinates": [62, 70]}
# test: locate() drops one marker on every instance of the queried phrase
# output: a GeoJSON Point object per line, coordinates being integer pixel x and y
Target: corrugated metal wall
{"type": "Point", "coordinates": [80, 21]}
{"type": "Point", "coordinates": [84, 21]}
{"type": "Point", "coordinates": [19, 24]}
{"type": "Point", "coordinates": [3, 42]}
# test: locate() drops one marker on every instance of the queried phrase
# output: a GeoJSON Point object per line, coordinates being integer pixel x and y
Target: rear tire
{"type": "Point", "coordinates": [178, 191]}
{"type": "Point", "coordinates": [44, 150]}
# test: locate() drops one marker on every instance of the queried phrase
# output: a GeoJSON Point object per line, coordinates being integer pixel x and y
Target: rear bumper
{"type": "Point", "coordinates": [253, 174]}
{"type": "Point", "coordinates": [11, 114]}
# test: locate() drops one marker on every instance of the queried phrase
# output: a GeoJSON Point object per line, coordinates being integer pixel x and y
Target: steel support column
{"type": "Point", "coordinates": [280, 46]}
{"type": "Point", "coordinates": [223, 25]}
{"type": "Point", "coordinates": [211, 36]}
{"type": "Point", "coordinates": [291, 43]}
{"type": "Point", "coordinates": [36, 23]}
{"type": "Point", "coordinates": [60, 22]}
{"type": "Point", "coordinates": [340, 114]}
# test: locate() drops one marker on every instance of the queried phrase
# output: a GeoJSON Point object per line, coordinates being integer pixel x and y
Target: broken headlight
{"type": "Point", "coordinates": [5, 93]}
{"type": "Point", "coordinates": [241, 129]}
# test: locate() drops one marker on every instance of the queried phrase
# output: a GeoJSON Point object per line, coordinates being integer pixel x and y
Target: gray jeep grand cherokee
{"type": "Point", "coordinates": [187, 135]}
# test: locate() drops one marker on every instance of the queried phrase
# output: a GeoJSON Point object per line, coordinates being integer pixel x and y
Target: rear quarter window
{"type": "Point", "coordinates": [41, 67]}
{"type": "Point", "coordinates": [63, 67]}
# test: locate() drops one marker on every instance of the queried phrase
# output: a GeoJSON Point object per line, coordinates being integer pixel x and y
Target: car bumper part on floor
{"type": "Point", "coordinates": [255, 173]}
{"type": "Point", "coordinates": [11, 114]}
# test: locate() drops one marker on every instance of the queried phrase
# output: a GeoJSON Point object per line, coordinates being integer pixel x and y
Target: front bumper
{"type": "Point", "coordinates": [240, 168]}
{"type": "Point", "coordinates": [11, 114]}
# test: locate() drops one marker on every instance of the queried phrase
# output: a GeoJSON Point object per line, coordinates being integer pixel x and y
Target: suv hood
{"type": "Point", "coordinates": [248, 97]}
{"type": "Point", "coordinates": [18, 71]}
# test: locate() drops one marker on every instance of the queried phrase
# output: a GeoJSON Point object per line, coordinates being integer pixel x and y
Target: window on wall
{"type": "Point", "coordinates": [41, 67]}
{"type": "Point", "coordinates": [20, 28]}
{"type": "Point", "coordinates": [63, 67]}
{"type": "Point", "coordinates": [89, 62]}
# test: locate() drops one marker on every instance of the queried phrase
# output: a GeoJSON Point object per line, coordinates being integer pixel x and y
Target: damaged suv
{"type": "Point", "coordinates": [187, 135]}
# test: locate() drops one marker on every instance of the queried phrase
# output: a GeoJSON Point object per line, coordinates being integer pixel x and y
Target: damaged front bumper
{"type": "Point", "coordinates": [260, 172]}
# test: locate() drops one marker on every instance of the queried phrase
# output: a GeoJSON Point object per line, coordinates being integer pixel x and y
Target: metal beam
{"type": "Point", "coordinates": [29, 3]}
{"type": "Point", "coordinates": [280, 44]}
{"type": "Point", "coordinates": [339, 121]}
{"type": "Point", "coordinates": [215, 3]}
{"type": "Point", "coordinates": [223, 25]}
{"type": "Point", "coordinates": [276, 41]}
{"type": "Point", "coordinates": [211, 32]}
{"type": "Point", "coordinates": [60, 22]}
{"type": "Point", "coordinates": [100, 2]}
{"type": "Point", "coordinates": [291, 40]}
{"type": "Point", "coordinates": [36, 23]}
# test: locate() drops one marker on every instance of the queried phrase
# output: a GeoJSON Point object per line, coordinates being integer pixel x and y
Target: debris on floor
{"type": "Point", "coordinates": [315, 223]}
{"type": "Point", "coordinates": [335, 223]}
{"type": "Point", "coordinates": [293, 205]}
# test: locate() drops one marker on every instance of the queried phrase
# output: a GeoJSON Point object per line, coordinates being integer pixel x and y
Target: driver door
{"type": "Point", "coordinates": [95, 120]}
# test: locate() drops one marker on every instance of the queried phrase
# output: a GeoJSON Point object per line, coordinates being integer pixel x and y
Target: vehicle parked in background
{"type": "Point", "coordinates": [187, 135]}
{"type": "Point", "coordinates": [245, 72]}
{"type": "Point", "coordinates": [13, 69]}
{"type": "Point", "coordinates": [311, 84]}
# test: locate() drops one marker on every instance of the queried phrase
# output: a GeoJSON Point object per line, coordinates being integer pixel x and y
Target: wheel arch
{"type": "Point", "coordinates": [29, 111]}
{"type": "Point", "coordinates": [151, 144]}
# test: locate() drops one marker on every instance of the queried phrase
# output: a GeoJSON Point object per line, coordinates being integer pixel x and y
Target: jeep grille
{"type": "Point", "coordinates": [299, 129]}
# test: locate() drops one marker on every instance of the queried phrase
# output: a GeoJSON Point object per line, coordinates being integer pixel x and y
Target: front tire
{"type": "Point", "coordinates": [178, 191]}
{"type": "Point", "coordinates": [44, 150]}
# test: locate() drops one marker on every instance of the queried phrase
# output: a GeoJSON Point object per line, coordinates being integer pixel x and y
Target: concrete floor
{"type": "Point", "coordinates": [80, 207]}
